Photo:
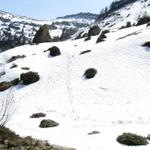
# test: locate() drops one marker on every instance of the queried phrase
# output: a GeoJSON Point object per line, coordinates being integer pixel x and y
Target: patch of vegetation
{"type": "Point", "coordinates": [29, 77]}
{"type": "Point", "coordinates": [131, 139]}
{"type": "Point", "coordinates": [90, 73]}
{"type": "Point", "coordinates": [10, 141]}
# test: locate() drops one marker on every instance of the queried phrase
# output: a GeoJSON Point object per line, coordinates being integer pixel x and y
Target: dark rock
{"type": "Point", "coordinates": [29, 77]}
{"type": "Point", "coordinates": [67, 33]}
{"type": "Point", "coordinates": [93, 132]}
{"type": "Point", "coordinates": [15, 81]}
{"type": "Point", "coordinates": [13, 66]}
{"type": "Point", "coordinates": [94, 30]}
{"type": "Point", "coordinates": [146, 44]}
{"type": "Point", "coordinates": [5, 85]}
{"type": "Point", "coordinates": [143, 20]}
{"type": "Point", "coordinates": [38, 115]}
{"type": "Point", "coordinates": [13, 58]}
{"type": "Point", "coordinates": [101, 38]}
{"type": "Point", "coordinates": [54, 51]}
{"type": "Point", "coordinates": [90, 73]}
{"type": "Point", "coordinates": [25, 68]}
{"type": "Point", "coordinates": [87, 39]}
{"type": "Point", "coordinates": [148, 25]}
{"type": "Point", "coordinates": [42, 35]}
{"type": "Point", "coordinates": [48, 123]}
{"type": "Point", "coordinates": [84, 52]}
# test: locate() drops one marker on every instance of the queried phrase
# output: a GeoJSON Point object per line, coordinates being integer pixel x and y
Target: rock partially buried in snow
{"type": "Point", "coordinates": [47, 123]}
{"type": "Point", "coordinates": [94, 132]}
{"type": "Point", "coordinates": [54, 51]}
{"type": "Point", "coordinates": [90, 73]}
{"type": "Point", "coordinates": [29, 77]}
{"type": "Point", "coordinates": [6, 85]}
{"type": "Point", "coordinates": [146, 44]}
{"type": "Point", "coordinates": [131, 139]}
{"type": "Point", "coordinates": [13, 58]}
{"type": "Point", "coordinates": [38, 115]}
{"type": "Point", "coordinates": [101, 37]}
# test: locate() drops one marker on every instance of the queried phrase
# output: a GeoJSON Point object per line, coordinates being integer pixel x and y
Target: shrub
{"type": "Point", "coordinates": [13, 58]}
{"type": "Point", "coordinates": [101, 37]}
{"type": "Point", "coordinates": [90, 73]}
{"type": "Point", "coordinates": [10, 141]}
{"type": "Point", "coordinates": [147, 44]}
{"type": "Point", "coordinates": [84, 52]}
{"type": "Point", "coordinates": [29, 77]}
{"type": "Point", "coordinates": [54, 51]}
{"type": "Point", "coordinates": [48, 123]}
{"type": "Point", "coordinates": [131, 139]}
{"type": "Point", "coordinates": [42, 35]}
{"type": "Point", "coordinates": [94, 30]}
{"type": "Point", "coordinates": [38, 115]}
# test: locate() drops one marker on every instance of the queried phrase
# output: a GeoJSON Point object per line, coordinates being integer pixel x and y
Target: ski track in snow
{"type": "Point", "coordinates": [115, 101]}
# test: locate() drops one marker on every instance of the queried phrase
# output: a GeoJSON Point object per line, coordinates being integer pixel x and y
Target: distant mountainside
{"type": "Point", "coordinates": [88, 16]}
{"type": "Point", "coordinates": [18, 30]}
{"type": "Point", "coordinates": [122, 13]}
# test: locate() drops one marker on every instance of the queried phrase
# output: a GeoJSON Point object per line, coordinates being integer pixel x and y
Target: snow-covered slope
{"type": "Point", "coordinates": [117, 100]}
{"type": "Point", "coordinates": [131, 11]}
{"type": "Point", "coordinates": [17, 30]}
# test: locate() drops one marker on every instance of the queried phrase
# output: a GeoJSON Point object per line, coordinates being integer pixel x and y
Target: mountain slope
{"type": "Point", "coordinates": [18, 30]}
{"type": "Point", "coordinates": [115, 101]}
{"type": "Point", "coordinates": [122, 12]}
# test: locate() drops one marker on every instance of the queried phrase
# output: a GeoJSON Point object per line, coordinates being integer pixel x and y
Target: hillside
{"type": "Point", "coordinates": [122, 12]}
{"type": "Point", "coordinates": [18, 30]}
{"type": "Point", "coordinates": [116, 100]}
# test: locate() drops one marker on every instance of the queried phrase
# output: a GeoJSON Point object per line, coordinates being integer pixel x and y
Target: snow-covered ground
{"type": "Point", "coordinates": [129, 13]}
{"type": "Point", "coordinates": [117, 100]}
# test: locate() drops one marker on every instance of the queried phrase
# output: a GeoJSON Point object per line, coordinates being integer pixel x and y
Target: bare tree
{"type": "Point", "coordinates": [7, 107]}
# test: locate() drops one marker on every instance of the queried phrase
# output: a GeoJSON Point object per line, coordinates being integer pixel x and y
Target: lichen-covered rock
{"type": "Point", "coordinates": [47, 123]}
